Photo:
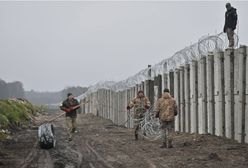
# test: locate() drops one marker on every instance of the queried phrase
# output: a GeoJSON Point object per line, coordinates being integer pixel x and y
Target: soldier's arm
{"type": "Point", "coordinates": [132, 103]}
{"type": "Point", "coordinates": [148, 103]}
{"type": "Point", "coordinates": [157, 109]}
{"type": "Point", "coordinates": [64, 108]}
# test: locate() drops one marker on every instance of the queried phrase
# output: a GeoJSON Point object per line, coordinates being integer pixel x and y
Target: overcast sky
{"type": "Point", "coordinates": [52, 45]}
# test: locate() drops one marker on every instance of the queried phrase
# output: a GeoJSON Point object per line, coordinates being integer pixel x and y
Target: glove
{"type": "Point", "coordinates": [147, 107]}
{"type": "Point", "coordinates": [175, 113]}
{"type": "Point", "coordinates": [157, 115]}
{"type": "Point", "coordinates": [128, 107]}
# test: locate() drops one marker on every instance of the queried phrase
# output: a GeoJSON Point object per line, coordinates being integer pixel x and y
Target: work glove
{"type": "Point", "coordinates": [128, 107]}
{"type": "Point", "coordinates": [147, 107]}
{"type": "Point", "coordinates": [175, 113]}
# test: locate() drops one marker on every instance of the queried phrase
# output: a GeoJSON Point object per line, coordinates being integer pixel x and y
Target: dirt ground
{"type": "Point", "coordinates": [101, 144]}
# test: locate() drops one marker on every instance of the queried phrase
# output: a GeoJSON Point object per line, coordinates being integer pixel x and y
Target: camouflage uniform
{"type": "Point", "coordinates": [70, 116]}
{"type": "Point", "coordinates": [166, 110]}
{"type": "Point", "coordinates": [140, 104]}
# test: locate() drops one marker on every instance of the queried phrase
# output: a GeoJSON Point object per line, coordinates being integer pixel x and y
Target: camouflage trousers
{"type": "Point", "coordinates": [230, 37]}
{"type": "Point", "coordinates": [166, 129]}
{"type": "Point", "coordinates": [136, 125]}
{"type": "Point", "coordinates": [71, 125]}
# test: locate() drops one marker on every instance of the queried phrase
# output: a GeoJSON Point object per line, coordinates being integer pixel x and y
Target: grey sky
{"type": "Point", "coordinates": [51, 45]}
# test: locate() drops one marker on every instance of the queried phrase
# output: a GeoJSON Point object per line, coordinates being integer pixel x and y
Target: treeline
{"type": "Point", "coordinates": [11, 89]}
{"type": "Point", "coordinates": [40, 98]}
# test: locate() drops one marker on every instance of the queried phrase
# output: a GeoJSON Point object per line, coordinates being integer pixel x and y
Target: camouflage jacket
{"type": "Point", "coordinates": [166, 107]}
{"type": "Point", "coordinates": [68, 104]}
{"type": "Point", "coordinates": [139, 105]}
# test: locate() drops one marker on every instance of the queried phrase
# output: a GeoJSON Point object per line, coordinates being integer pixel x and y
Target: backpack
{"type": "Point", "coordinates": [46, 136]}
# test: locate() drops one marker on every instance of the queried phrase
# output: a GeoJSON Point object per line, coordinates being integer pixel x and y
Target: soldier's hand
{"type": "Point", "coordinates": [157, 115]}
{"type": "Point", "coordinates": [128, 107]}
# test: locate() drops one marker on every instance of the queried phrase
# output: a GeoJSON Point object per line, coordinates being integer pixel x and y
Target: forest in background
{"type": "Point", "coordinates": [15, 90]}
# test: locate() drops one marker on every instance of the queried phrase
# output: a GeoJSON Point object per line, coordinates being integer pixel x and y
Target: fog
{"type": "Point", "coordinates": [51, 45]}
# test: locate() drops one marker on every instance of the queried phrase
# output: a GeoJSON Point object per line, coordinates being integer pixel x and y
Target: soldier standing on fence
{"type": "Point", "coordinates": [140, 104]}
{"type": "Point", "coordinates": [166, 110]}
{"type": "Point", "coordinates": [70, 106]}
{"type": "Point", "coordinates": [231, 18]}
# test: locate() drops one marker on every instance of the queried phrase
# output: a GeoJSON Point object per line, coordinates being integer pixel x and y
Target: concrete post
{"type": "Point", "coordinates": [134, 95]}
{"type": "Point", "coordinates": [246, 98]}
{"type": "Point", "coordinates": [101, 103]}
{"type": "Point", "coordinates": [210, 93]}
{"type": "Point", "coordinates": [165, 76]}
{"type": "Point", "coordinates": [219, 97]}
{"type": "Point", "coordinates": [136, 88]}
{"type": "Point", "coordinates": [202, 96]}
{"type": "Point", "coordinates": [158, 86]}
{"type": "Point", "coordinates": [194, 97]}
{"type": "Point", "coordinates": [105, 103]}
{"type": "Point", "coordinates": [182, 99]}
{"type": "Point", "coordinates": [171, 83]}
{"type": "Point", "coordinates": [149, 90]}
{"type": "Point", "coordinates": [109, 104]}
{"type": "Point", "coordinates": [143, 86]}
{"type": "Point", "coordinates": [165, 81]}
{"type": "Point", "coordinates": [116, 107]}
{"type": "Point", "coordinates": [239, 93]}
{"type": "Point", "coordinates": [122, 113]}
{"type": "Point", "coordinates": [83, 109]}
{"type": "Point", "coordinates": [187, 97]}
{"type": "Point", "coordinates": [177, 97]}
{"type": "Point", "coordinates": [229, 92]}
{"type": "Point", "coordinates": [127, 101]}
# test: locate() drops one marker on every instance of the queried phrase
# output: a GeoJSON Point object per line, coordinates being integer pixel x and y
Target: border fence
{"type": "Point", "coordinates": [209, 83]}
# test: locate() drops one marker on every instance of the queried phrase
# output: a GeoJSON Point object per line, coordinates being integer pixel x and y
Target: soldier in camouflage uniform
{"type": "Point", "coordinates": [140, 105]}
{"type": "Point", "coordinates": [70, 106]}
{"type": "Point", "coordinates": [166, 110]}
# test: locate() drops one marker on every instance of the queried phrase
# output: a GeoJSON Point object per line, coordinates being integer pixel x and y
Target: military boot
{"type": "Point", "coordinates": [169, 144]}
{"type": "Point", "coordinates": [163, 145]}
{"type": "Point", "coordinates": [136, 136]}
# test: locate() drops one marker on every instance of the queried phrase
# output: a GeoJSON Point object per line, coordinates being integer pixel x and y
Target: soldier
{"type": "Point", "coordinates": [140, 104]}
{"type": "Point", "coordinates": [230, 23]}
{"type": "Point", "coordinates": [70, 106]}
{"type": "Point", "coordinates": [166, 110]}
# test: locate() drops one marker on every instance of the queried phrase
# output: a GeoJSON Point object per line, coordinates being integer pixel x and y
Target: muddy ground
{"type": "Point", "coordinates": [101, 144]}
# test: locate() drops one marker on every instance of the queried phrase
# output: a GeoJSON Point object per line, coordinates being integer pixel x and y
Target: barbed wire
{"type": "Point", "coordinates": [196, 51]}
